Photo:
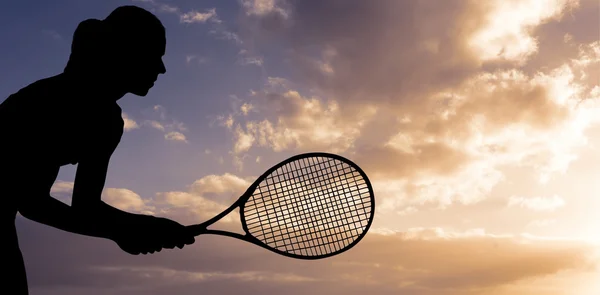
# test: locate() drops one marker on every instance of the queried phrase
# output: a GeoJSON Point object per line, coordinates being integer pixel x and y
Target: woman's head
{"type": "Point", "coordinates": [122, 51]}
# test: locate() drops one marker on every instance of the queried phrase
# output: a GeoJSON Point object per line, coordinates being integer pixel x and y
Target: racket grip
{"type": "Point", "coordinates": [196, 229]}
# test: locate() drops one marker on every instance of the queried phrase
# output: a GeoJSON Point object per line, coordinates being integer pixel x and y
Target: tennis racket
{"type": "Point", "coordinates": [310, 206]}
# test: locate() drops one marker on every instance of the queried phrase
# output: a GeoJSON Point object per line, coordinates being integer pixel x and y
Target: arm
{"type": "Point", "coordinates": [87, 215]}
{"type": "Point", "coordinates": [91, 173]}
{"type": "Point", "coordinates": [38, 205]}
{"type": "Point", "coordinates": [89, 182]}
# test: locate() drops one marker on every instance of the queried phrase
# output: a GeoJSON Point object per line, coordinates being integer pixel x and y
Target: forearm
{"type": "Point", "coordinates": [99, 220]}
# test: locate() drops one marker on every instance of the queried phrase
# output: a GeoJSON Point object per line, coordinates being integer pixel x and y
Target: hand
{"type": "Point", "coordinates": [145, 234]}
{"type": "Point", "coordinates": [171, 234]}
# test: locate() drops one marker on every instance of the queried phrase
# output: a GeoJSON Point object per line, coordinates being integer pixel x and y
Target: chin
{"type": "Point", "coordinates": [141, 91]}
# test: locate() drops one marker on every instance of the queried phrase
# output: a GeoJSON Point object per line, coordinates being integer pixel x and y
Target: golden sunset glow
{"type": "Point", "coordinates": [477, 122]}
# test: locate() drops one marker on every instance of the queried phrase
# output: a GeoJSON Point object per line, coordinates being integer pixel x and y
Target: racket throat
{"type": "Point", "coordinates": [198, 229]}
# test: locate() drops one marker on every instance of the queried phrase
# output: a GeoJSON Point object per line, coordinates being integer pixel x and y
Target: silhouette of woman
{"type": "Point", "coordinates": [74, 118]}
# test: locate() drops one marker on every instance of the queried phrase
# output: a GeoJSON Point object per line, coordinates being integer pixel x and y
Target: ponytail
{"type": "Point", "coordinates": [88, 46]}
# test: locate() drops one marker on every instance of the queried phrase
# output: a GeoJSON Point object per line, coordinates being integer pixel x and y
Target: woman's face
{"type": "Point", "coordinates": [142, 63]}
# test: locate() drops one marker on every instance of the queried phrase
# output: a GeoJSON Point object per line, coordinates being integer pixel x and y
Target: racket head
{"type": "Point", "coordinates": [281, 197]}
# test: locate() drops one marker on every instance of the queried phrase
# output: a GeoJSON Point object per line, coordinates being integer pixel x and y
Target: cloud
{"type": "Point", "coordinates": [121, 198]}
{"type": "Point", "coordinates": [419, 261]}
{"type": "Point", "coordinates": [424, 260]}
{"type": "Point", "coordinates": [252, 60]}
{"type": "Point", "coordinates": [204, 198]}
{"type": "Point", "coordinates": [192, 16]}
{"type": "Point", "coordinates": [434, 105]}
{"type": "Point", "coordinates": [264, 7]}
{"type": "Point", "coordinates": [239, 107]}
{"type": "Point", "coordinates": [246, 108]}
{"type": "Point", "coordinates": [199, 17]}
{"type": "Point", "coordinates": [224, 34]}
{"type": "Point", "coordinates": [173, 129]}
{"type": "Point", "coordinates": [219, 184]}
{"type": "Point", "coordinates": [191, 58]}
{"type": "Point", "coordinates": [299, 122]}
{"type": "Point", "coordinates": [176, 136]}
{"type": "Point", "coordinates": [361, 44]}
{"type": "Point", "coordinates": [130, 124]}
{"type": "Point", "coordinates": [52, 34]}
{"type": "Point", "coordinates": [444, 105]}
{"type": "Point", "coordinates": [246, 57]}
{"type": "Point", "coordinates": [218, 27]}
{"type": "Point", "coordinates": [541, 223]}
{"type": "Point", "coordinates": [488, 121]}
{"type": "Point", "coordinates": [156, 125]}
{"type": "Point", "coordinates": [61, 187]}
{"type": "Point", "coordinates": [499, 39]}
{"type": "Point", "coordinates": [188, 207]}
{"type": "Point", "coordinates": [537, 203]}
{"type": "Point", "coordinates": [126, 200]}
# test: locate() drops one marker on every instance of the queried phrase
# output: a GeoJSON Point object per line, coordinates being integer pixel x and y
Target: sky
{"type": "Point", "coordinates": [477, 123]}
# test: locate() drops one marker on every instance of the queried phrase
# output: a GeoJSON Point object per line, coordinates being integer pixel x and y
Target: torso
{"type": "Point", "coordinates": [49, 124]}
{"type": "Point", "coordinates": [56, 122]}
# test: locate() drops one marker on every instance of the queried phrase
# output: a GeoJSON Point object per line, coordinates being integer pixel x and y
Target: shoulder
{"type": "Point", "coordinates": [42, 90]}
{"type": "Point", "coordinates": [41, 102]}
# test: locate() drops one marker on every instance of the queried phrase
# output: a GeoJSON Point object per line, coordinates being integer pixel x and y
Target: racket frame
{"type": "Point", "coordinates": [200, 229]}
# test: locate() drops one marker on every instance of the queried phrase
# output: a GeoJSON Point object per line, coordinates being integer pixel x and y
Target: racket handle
{"type": "Point", "coordinates": [196, 229]}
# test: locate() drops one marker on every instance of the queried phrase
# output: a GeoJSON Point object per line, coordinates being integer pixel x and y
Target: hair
{"type": "Point", "coordinates": [97, 42]}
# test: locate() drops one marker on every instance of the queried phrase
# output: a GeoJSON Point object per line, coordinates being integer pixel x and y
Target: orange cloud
{"type": "Point", "coordinates": [418, 261]}
{"type": "Point", "coordinates": [430, 127]}
{"type": "Point", "coordinates": [441, 103]}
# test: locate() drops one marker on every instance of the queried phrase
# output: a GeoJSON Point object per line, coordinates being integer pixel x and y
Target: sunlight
{"type": "Point", "coordinates": [476, 122]}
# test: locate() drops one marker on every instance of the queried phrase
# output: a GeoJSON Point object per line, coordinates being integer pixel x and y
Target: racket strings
{"type": "Point", "coordinates": [263, 210]}
{"type": "Point", "coordinates": [335, 223]}
{"type": "Point", "coordinates": [364, 206]}
{"type": "Point", "coordinates": [267, 209]}
{"type": "Point", "coordinates": [276, 203]}
{"type": "Point", "coordinates": [310, 207]}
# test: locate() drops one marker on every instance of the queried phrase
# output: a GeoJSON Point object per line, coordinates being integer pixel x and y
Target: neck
{"type": "Point", "coordinates": [98, 87]}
